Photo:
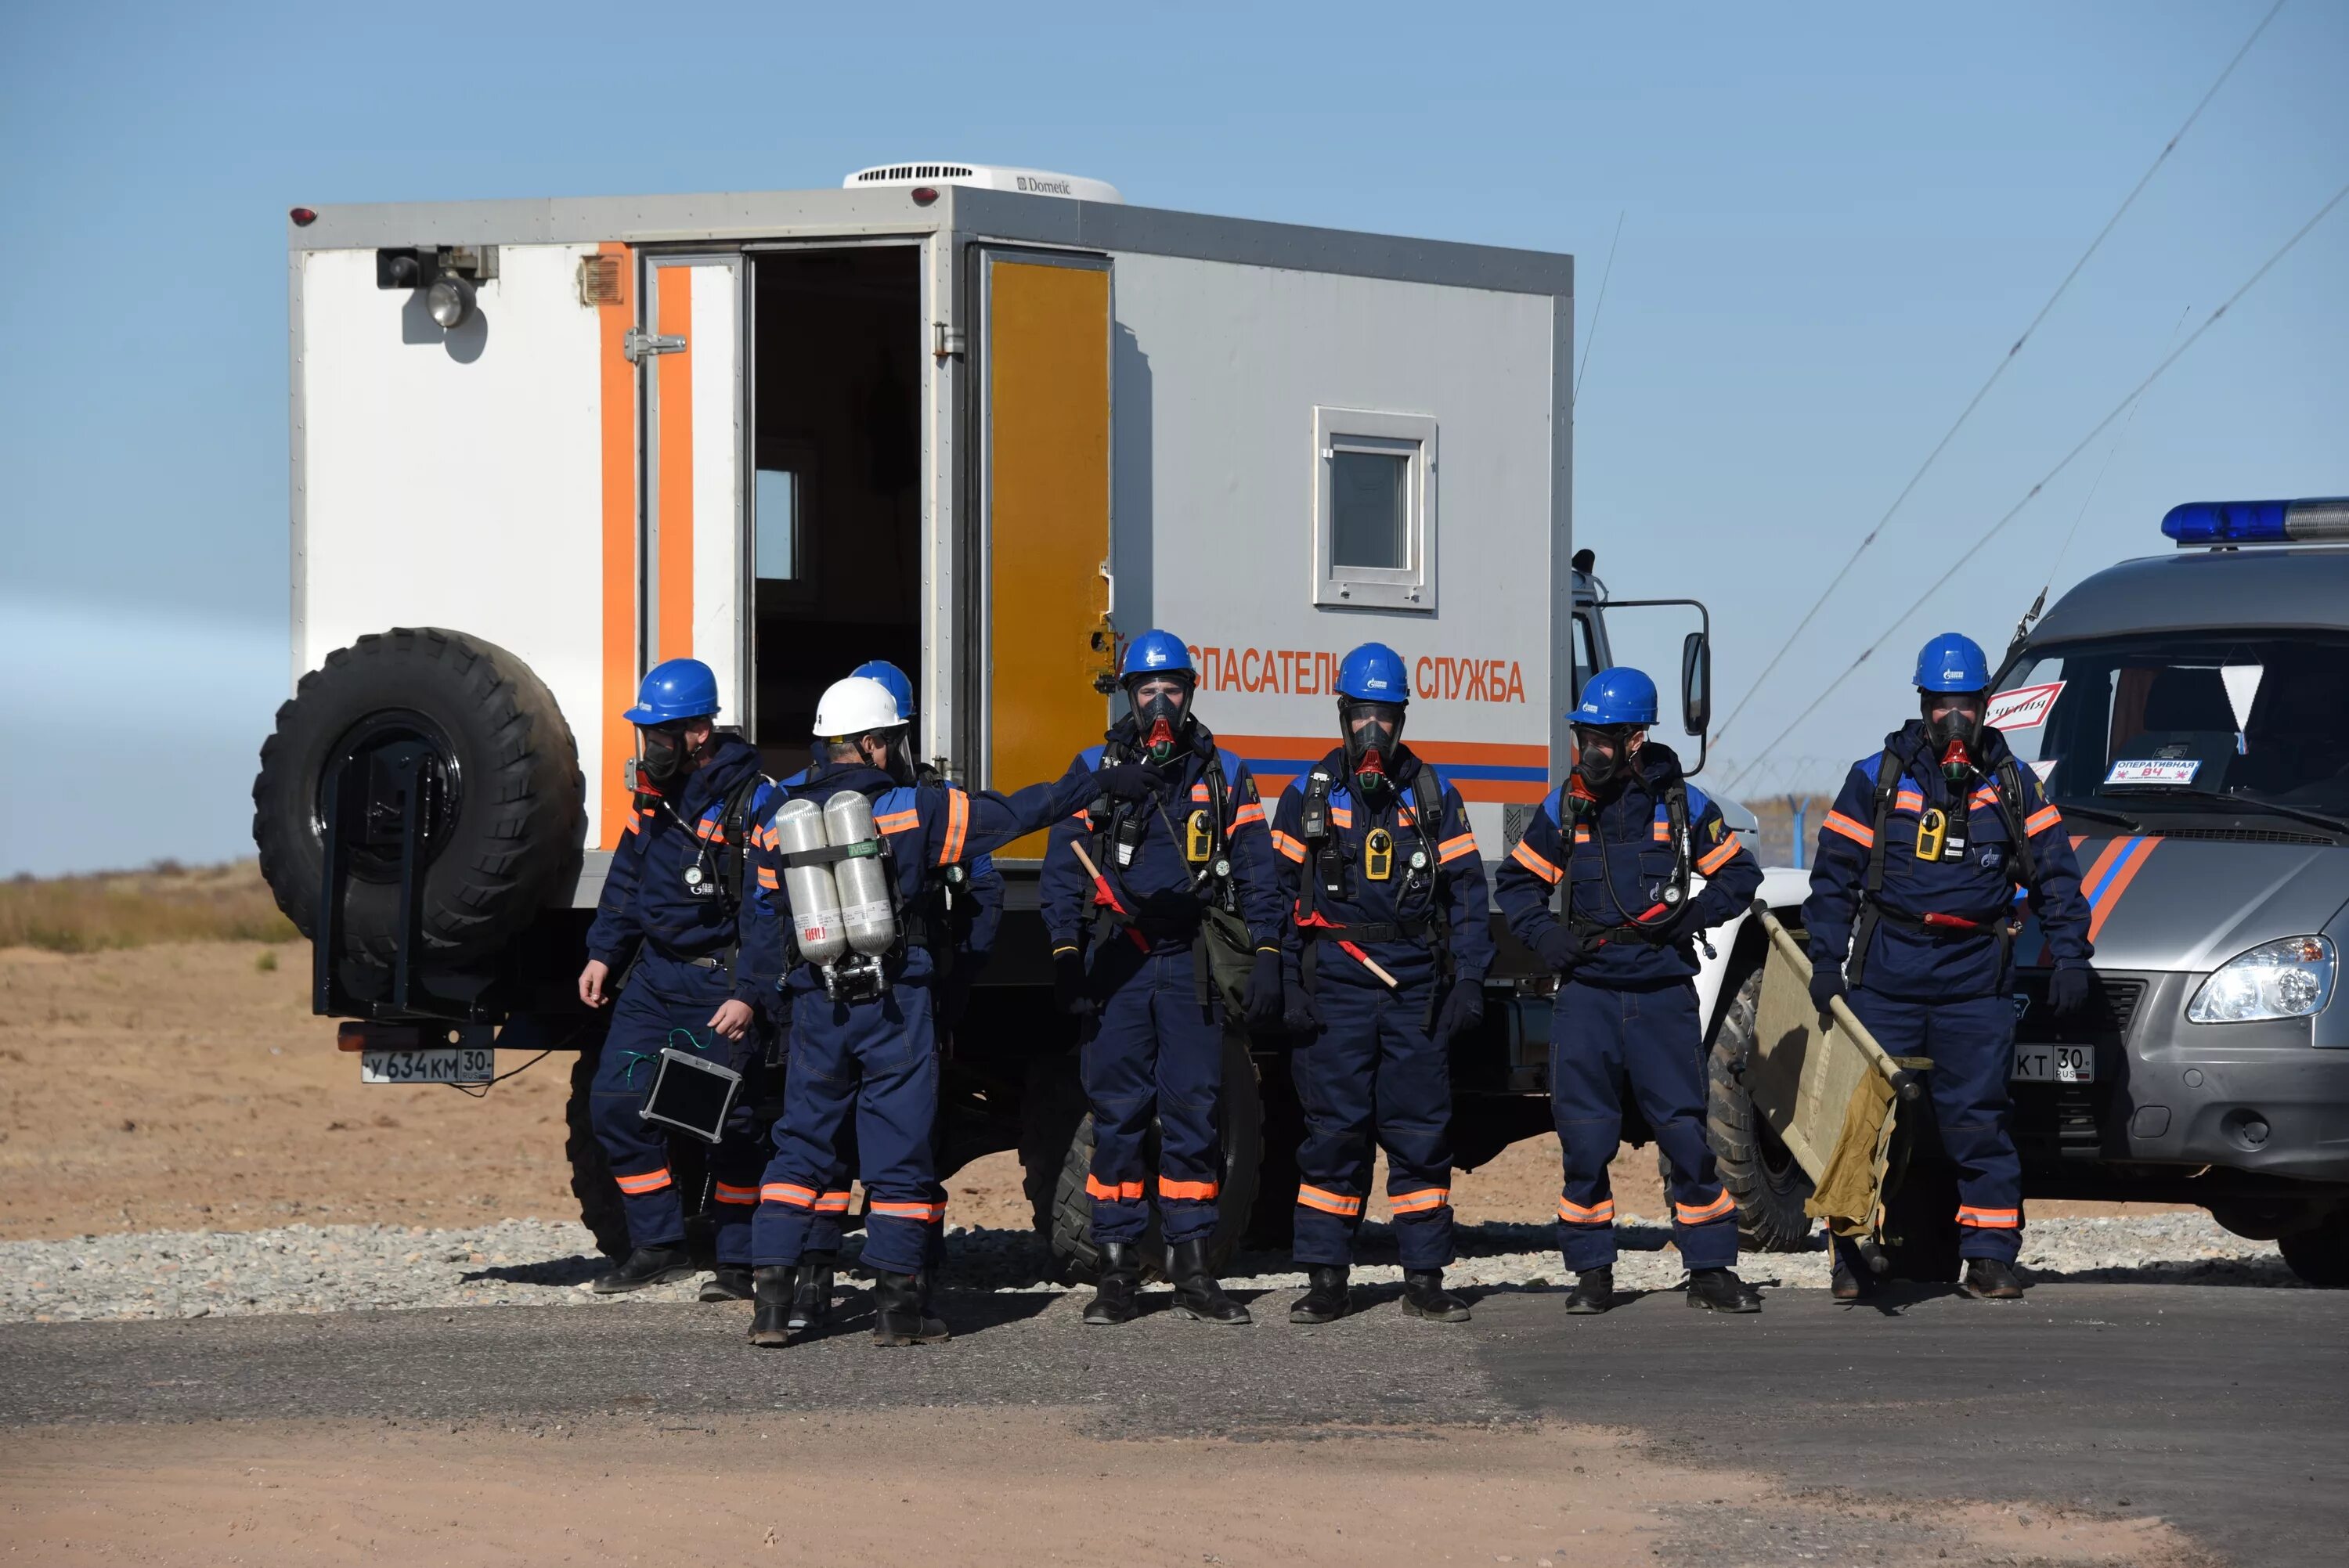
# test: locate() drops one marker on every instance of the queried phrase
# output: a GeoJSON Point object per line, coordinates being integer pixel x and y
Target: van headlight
{"type": "Point", "coordinates": [2290, 978]}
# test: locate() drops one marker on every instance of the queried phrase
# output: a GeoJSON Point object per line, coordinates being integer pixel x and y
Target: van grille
{"type": "Point", "coordinates": [914, 171]}
{"type": "Point", "coordinates": [2111, 1009]}
{"type": "Point", "coordinates": [2245, 835]}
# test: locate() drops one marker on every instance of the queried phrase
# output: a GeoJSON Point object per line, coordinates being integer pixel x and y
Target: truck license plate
{"type": "Point", "coordinates": [2053, 1064]}
{"type": "Point", "coordinates": [469, 1064]}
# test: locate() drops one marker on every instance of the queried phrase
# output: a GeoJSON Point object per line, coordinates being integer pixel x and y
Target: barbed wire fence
{"type": "Point", "coordinates": [1787, 795]}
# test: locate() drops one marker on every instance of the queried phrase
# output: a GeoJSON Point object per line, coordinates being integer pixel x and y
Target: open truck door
{"type": "Point", "coordinates": [1045, 342]}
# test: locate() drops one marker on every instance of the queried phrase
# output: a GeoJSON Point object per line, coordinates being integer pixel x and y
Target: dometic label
{"type": "Point", "coordinates": [2024, 708]}
{"type": "Point", "coordinates": [1313, 672]}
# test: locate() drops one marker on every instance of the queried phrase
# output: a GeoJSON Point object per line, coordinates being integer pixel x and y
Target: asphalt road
{"type": "Point", "coordinates": [2225, 1410]}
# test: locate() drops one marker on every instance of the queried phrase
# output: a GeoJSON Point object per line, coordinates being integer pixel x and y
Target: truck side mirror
{"type": "Point", "coordinates": [1696, 683]}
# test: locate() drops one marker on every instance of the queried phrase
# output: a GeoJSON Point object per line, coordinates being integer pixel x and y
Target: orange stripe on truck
{"type": "Point", "coordinates": [675, 380]}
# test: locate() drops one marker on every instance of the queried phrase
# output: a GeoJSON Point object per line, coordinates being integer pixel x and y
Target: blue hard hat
{"type": "Point", "coordinates": [1156, 652]}
{"type": "Point", "coordinates": [1617, 695]}
{"type": "Point", "coordinates": [1952, 662]}
{"type": "Point", "coordinates": [1374, 673]}
{"type": "Point", "coordinates": [895, 679]}
{"type": "Point", "coordinates": [675, 689]}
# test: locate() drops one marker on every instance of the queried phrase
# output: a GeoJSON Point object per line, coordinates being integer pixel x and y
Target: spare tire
{"type": "Point", "coordinates": [1755, 1169]}
{"type": "Point", "coordinates": [508, 806]}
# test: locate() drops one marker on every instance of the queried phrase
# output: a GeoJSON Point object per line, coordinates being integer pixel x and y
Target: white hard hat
{"type": "Point", "coordinates": [855, 707]}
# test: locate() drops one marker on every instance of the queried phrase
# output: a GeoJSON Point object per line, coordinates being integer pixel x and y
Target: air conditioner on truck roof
{"type": "Point", "coordinates": [986, 177]}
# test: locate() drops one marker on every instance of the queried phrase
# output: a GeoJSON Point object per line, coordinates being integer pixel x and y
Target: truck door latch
{"type": "Point", "coordinates": [640, 345]}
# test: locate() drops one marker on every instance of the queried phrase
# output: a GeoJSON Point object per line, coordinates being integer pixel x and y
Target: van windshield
{"type": "Point", "coordinates": [2194, 722]}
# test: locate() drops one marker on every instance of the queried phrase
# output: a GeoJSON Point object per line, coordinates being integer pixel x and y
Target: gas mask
{"type": "Point", "coordinates": [1373, 730]}
{"type": "Point", "coordinates": [1955, 735]}
{"type": "Point", "coordinates": [1159, 719]}
{"type": "Point", "coordinates": [896, 757]}
{"type": "Point", "coordinates": [1604, 755]}
{"type": "Point", "coordinates": [660, 754]}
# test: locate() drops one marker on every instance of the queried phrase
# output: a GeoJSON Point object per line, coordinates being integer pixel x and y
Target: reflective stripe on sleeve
{"type": "Point", "coordinates": [1859, 833]}
{"type": "Point", "coordinates": [1452, 849]}
{"type": "Point", "coordinates": [1527, 857]}
{"type": "Point", "coordinates": [1718, 857]}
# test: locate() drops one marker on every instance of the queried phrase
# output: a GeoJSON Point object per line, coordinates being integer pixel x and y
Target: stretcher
{"type": "Point", "coordinates": [1834, 1097]}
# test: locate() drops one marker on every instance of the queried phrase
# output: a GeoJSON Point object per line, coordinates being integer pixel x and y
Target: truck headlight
{"type": "Point", "coordinates": [2290, 978]}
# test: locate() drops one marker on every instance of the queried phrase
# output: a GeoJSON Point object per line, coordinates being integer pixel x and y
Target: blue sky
{"type": "Point", "coordinates": [1836, 219]}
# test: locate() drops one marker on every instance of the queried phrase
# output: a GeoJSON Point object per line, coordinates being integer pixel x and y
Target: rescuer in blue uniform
{"type": "Point", "coordinates": [707, 950]}
{"type": "Point", "coordinates": [1625, 833]}
{"type": "Point", "coordinates": [1388, 945]}
{"type": "Point", "coordinates": [1129, 959]}
{"type": "Point", "coordinates": [968, 905]}
{"type": "Point", "coordinates": [1913, 913]}
{"type": "Point", "coordinates": [873, 1054]}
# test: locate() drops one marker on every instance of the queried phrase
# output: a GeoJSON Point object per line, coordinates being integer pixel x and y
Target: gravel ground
{"type": "Point", "coordinates": [342, 1268]}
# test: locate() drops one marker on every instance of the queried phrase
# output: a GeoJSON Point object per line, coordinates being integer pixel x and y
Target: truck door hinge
{"type": "Point", "coordinates": [947, 341]}
{"type": "Point", "coordinates": [641, 345]}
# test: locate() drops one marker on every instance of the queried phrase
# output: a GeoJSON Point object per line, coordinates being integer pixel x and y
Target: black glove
{"type": "Point", "coordinates": [1265, 992]}
{"type": "Point", "coordinates": [1126, 780]}
{"type": "Point", "coordinates": [1826, 983]}
{"type": "Point", "coordinates": [1298, 1014]}
{"type": "Point", "coordinates": [1070, 992]}
{"type": "Point", "coordinates": [2067, 990]}
{"type": "Point", "coordinates": [1462, 1010]}
{"type": "Point", "coordinates": [1562, 950]}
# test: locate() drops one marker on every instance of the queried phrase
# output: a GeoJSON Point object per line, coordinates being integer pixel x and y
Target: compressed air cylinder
{"type": "Point", "coordinates": [866, 907]}
{"type": "Point", "coordinates": [815, 902]}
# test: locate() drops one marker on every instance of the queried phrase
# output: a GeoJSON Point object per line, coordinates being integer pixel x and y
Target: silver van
{"type": "Point", "coordinates": [2189, 713]}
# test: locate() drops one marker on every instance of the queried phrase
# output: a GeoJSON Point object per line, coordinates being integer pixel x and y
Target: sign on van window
{"type": "Point", "coordinates": [2024, 708]}
{"type": "Point", "coordinates": [2155, 771]}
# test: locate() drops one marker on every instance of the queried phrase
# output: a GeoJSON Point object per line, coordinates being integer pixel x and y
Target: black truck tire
{"type": "Point", "coordinates": [1756, 1169]}
{"type": "Point", "coordinates": [2320, 1256]}
{"type": "Point", "coordinates": [600, 1208]}
{"type": "Point", "coordinates": [1239, 1120]}
{"type": "Point", "coordinates": [514, 807]}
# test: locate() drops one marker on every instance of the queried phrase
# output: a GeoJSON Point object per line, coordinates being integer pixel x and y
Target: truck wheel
{"type": "Point", "coordinates": [505, 827]}
{"type": "Point", "coordinates": [1756, 1169]}
{"type": "Point", "coordinates": [1051, 1108]}
{"type": "Point", "coordinates": [1239, 1119]}
{"type": "Point", "coordinates": [2320, 1256]}
{"type": "Point", "coordinates": [591, 1177]}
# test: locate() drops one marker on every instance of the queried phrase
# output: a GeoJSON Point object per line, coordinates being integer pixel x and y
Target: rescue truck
{"type": "Point", "coordinates": [981, 422]}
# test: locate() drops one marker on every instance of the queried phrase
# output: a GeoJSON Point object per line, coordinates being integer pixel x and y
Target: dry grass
{"type": "Point", "coordinates": [165, 902]}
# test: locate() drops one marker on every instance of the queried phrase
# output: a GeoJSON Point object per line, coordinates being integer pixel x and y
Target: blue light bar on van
{"type": "Point", "coordinates": [2259, 522]}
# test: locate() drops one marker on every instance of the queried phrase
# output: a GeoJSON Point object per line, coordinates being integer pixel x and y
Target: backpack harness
{"type": "Point", "coordinates": [1326, 856]}
{"type": "Point", "coordinates": [723, 878]}
{"type": "Point", "coordinates": [1119, 828]}
{"type": "Point", "coordinates": [1655, 925]}
{"type": "Point", "coordinates": [1948, 842]}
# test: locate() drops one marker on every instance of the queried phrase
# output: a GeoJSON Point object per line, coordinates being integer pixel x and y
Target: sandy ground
{"type": "Point", "coordinates": [186, 1087]}
{"type": "Point", "coordinates": [633, 1490]}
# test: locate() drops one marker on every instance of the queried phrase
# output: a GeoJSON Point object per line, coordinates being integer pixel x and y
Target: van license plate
{"type": "Point", "coordinates": [471, 1063]}
{"type": "Point", "coordinates": [2053, 1064]}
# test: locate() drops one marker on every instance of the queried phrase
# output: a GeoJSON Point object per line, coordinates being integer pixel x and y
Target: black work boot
{"type": "Point", "coordinates": [1423, 1296]}
{"type": "Point", "coordinates": [1326, 1299]}
{"type": "Point", "coordinates": [898, 1317]}
{"type": "Point", "coordinates": [770, 1292]}
{"type": "Point", "coordinates": [644, 1267]}
{"type": "Point", "coordinates": [810, 1292]}
{"type": "Point", "coordinates": [1593, 1293]}
{"type": "Point", "coordinates": [1719, 1290]}
{"type": "Point", "coordinates": [1114, 1296]}
{"type": "Point", "coordinates": [1197, 1294]}
{"type": "Point", "coordinates": [1987, 1279]}
{"type": "Point", "coordinates": [731, 1283]}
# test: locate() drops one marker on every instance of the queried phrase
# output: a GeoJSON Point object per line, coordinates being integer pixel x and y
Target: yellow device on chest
{"type": "Point", "coordinates": [1932, 832]}
{"type": "Point", "coordinates": [1378, 854]}
{"type": "Point", "coordinates": [1199, 841]}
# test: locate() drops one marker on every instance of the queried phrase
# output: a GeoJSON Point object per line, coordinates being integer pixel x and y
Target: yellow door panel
{"type": "Point", "coordinates": [1047, 342]}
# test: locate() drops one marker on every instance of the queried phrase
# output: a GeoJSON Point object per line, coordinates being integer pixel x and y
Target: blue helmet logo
{"type": "Point", "coordinates": [1374, 673]}
{"type": "Point", "coordinates": [1617, 695]}
{"type": "Point", "coordinates": [1952, 662]}
{"type": "Point", "coordinates": [890, 675]}
{"type": "Point", "coordinates": [1155, 652]}
{"type": "Point", "coordinates": [675, 689]}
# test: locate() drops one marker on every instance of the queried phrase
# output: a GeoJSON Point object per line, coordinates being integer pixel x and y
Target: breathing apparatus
{"type": "Point", "coordinates": [1597, 767]}
{"type": "Point", "coordinates": [1952, 668]}
{"type": "Point", "coordinates": [1161, 719]}
{"type": "Point", "coordinates": [1373, 730]}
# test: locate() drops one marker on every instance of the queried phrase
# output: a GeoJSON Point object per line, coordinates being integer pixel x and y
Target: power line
{"type": "Point", "coordinates": [1602, 305]}
{"type": "Point", "coordinates": [2016, 510]}
{"type": "Point", "coordinates": [1983, 391]}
